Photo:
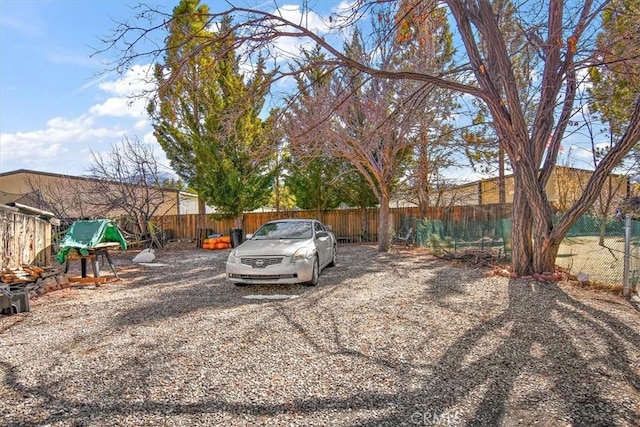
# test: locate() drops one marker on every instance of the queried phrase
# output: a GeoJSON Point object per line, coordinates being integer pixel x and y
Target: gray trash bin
{"type": "Point", "coordinates": [236, 237]}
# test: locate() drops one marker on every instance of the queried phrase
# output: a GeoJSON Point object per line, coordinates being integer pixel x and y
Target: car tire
{"type": "Point", "coordinates": [334, 257]}
{"type": "Point", "coordinates": [316, 273]}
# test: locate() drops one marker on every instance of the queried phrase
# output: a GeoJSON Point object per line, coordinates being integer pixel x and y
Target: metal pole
{"type": "Point", "coordinates": [627, 255]}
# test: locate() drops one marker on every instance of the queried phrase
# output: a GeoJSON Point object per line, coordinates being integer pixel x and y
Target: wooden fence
{"type": "Point", "coordinates": [350, 225]}
{"type": "Point", "coordinates": [24, 239]}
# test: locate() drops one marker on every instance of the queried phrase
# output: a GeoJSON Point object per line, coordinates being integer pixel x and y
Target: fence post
{"type": "Point", "coordinates": [627, 255]}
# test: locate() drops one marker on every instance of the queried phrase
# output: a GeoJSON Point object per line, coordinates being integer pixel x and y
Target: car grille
{"type": "Point", "coordinates": [261, 262]}
{"type": "Point", "coordinates": [269, 278]}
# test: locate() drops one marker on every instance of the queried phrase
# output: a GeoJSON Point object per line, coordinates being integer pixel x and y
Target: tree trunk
{"type": "Point", "coordinates": [364, 229]}
{"type": "Point", "coordinates": [533, 250]}
{"type": "Point", "coordinates": [545, 251]}
{"type": "Point", "coordinates": [605, 205]}
{"type": "Point", "coordinates": [383, 225]}
{"type": "Point", "coordinates": [276, 190]}
{"type": "Point", "coordinates": [533, 245]}
{"type": "Point", "coordinates": [603, 230]}
{"type": "Point", "coordinates": [545, 245]}
{"type": "Point", "coordinates": [521, 232]}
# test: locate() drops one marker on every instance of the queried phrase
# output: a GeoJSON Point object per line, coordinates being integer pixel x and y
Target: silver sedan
{"type": "Point", "coordinates": [283, 251]}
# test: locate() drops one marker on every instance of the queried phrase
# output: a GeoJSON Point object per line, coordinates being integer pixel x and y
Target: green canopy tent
{"type": "Point", "coordinates": [85, 235]}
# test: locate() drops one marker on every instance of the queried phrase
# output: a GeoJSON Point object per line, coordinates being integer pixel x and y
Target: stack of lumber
{"type": "Point", "coordinates": [25, 274]}
{"type": "Point", "coordinates": [36, 280]}
{"type": "Point", "coordinates": [222, 242]}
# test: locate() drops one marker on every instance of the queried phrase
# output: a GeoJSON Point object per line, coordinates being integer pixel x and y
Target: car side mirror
{"type": "Point", "coordinates": [248, 236]}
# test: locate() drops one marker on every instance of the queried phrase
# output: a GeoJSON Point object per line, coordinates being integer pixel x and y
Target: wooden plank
{"type": "Point", "coordinates": [87, 279]}
{"type": "Point", "coordinates": [24, 239]}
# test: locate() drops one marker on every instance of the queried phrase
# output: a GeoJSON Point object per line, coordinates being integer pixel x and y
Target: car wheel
{"type": "Point", "coordinates": [316, 273]}
{"type": "Point", "coordinates": [334, 257]}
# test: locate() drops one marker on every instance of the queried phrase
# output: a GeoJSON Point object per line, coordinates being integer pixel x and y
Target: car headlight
{"type": "Point", "coordinates": [233, 255]}
{"type": "Point", "coordinates": [300, 254]}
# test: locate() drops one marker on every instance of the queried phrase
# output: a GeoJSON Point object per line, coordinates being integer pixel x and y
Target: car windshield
{"type": "Point", "coordinates": [284, 230]}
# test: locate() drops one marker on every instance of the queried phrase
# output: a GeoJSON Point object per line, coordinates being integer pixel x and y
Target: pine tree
{"type": "Point", "coordinates": [206, 114]}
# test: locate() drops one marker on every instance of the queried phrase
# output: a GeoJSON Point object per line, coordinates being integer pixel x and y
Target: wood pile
{"type": "Point", "coordinates": [25, 274]}
{"type": "Point", "coordinates": [36, 280]}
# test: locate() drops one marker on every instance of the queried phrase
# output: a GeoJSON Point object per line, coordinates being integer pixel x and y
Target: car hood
{"type": "Point", "coordinates": [281, 247]}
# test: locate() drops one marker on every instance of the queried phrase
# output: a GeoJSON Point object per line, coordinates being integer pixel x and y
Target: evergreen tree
{"type": "Point", "coordinates": [206, 114]}
{"type": "Point", "coordinates": [615, 77]}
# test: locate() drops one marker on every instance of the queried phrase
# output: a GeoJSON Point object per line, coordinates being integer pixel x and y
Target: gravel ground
{"type": "Point", "coordinates": [384, 340]}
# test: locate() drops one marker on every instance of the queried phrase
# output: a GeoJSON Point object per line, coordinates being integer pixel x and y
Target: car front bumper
{"type": "Point", "coordinates": [284, 272]}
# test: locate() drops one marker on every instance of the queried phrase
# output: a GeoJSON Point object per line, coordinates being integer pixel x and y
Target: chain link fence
{"type": "Point", "coordinates": [452, 236]}
{"type": "Point", "coordinates": [593, 247]}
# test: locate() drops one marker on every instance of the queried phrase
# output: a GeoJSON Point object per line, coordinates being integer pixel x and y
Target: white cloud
{"type": "Point", "coordinates": [59, 56]}
{"type": "Point", "coordinates": [60, 130]}
{"type": "Point", "coordinates": [288, 47]}
{"type": "Point", "coordinates": [309, 19]}
{"type": "Point", "coordinates": [62, 124]}
{"type": "Point", "coordinates": [128, 94]}
{"type": "Point", "coordinates": [61, 137]}
{"type": "Point", "coordinates": [67, 141]}
{"type": "Point", "coordinates": [584, 81]}
{"type": "Point", "coordinates": [149, 138]}
{"type": "Point", "coordinates": [136, 81]}
{"type": "Point", "coordinates": [121, 107]}
{"type": "Point", "coordinates": [24, 26]}
{"type": "Point", "coordinates": [39, 149]}
{"type": "Point", "coordinates": [141, 124]}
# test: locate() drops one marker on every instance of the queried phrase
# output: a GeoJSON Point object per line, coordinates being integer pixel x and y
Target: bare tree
{"type": "Point", "coordinates": [374, 123]}
{"type": "Point", "coordinates": [65, 197]}
{"type": "Point", "coordinates": [614, 190]}
{"type": "Point", "coordinates": [127, 183]}
{"type": "Point", "coordinates": [433, 154]}
{"type": "Point", "coordinates": [561, 33]}
{"type": "Point", "coordinates": [366, 129]}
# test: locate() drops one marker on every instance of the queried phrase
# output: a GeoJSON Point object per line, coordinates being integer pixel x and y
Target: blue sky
{"type": "Point", "coordinates": [56, 102]}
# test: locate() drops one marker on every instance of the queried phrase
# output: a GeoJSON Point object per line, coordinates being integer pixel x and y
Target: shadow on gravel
{"type": "Point", "coordinates": [198, 277]}
{"type": "Point", "coordinates": [538, 330]}
{"type": "Point", "coordinates": [535, 336]}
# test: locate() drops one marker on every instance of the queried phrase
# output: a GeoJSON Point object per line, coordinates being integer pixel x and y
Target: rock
{"type": "Point", "coordinates": [49, 284]}
{"type": "Point", "coordinates": [62, 280]}
{"type": "Point", "coordinates": [145, 255]}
